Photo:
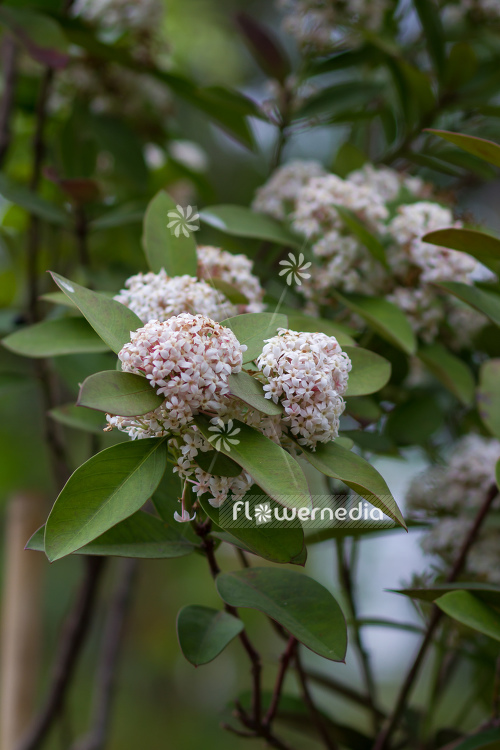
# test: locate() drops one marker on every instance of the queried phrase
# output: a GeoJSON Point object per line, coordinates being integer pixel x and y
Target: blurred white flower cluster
{"type": "Point", "coordinates": [121, 15]}
{"type": "Point", "coordinates": [156, 296]}
{"type": "Point", "coordinates": [307, 374]}
{"type": "Point", "coordinates": [320, 25]}
{"type": "Point", "coordinates": [214, 263]}
{"type": "Point", "coordinates": [396, 209]}
{"type": "Point", "coordinates": [449, 496]}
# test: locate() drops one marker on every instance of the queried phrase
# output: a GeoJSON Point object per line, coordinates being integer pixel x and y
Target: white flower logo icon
{"type": "Point", "coordinates": [263, 513]}
{"type": "Point", "coordinates": [183, 220]}
{"type": "Point", "coordinates": [224, 434]}
{"type": "Point", "coordinates": [294, 269]}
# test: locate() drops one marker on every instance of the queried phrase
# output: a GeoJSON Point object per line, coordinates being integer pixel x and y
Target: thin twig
{"type": "Point", "coordinates": [316, 717]}
{"type": "Point", "coordinates": [286, 657]}
{"type": "Point", "coordinates": [9, 53]}
{"type": "Point", "coordinates": [344, 690]}
{"type": "Point", "coordinates": [386, 733]}
{"type": "Point", "coordinates": [346, 577]}
{"type": "Point", "coordinates": [110, 653]}
{"type": "Point", "coordinates": [69, 650]}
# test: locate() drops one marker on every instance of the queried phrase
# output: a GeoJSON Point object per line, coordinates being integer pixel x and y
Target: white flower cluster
{"type": "Point", "coordinates": [315, 23]}
{"type": "Point", "coordinates": [187, 359]}
{"type": "Point", "coordinates": [156, 296]}
{"type": "Point", "coordinates": [121, 15]}
{"type": "Point", "coordinates": [346, 264]}
{"type": "Point", "coordinates": [214, 263]}
{"type": "Point", "coordinates": [449, 496]}
{"type": "Point", "coordinates": [277, 197]}
{"type": "Point", "coordinates": [308, 375]}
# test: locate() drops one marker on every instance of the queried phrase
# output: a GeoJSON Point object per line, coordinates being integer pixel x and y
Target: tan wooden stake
{"type": "Point", "coordinates": [21, 618]}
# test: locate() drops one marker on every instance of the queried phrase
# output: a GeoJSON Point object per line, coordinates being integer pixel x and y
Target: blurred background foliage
{"type": "Point", "coordinates": [207, 130]}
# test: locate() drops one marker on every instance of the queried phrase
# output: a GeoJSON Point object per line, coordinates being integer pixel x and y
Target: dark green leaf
{"type": "Point", "coordinates": [489, 740]}
{"type": "Point", "coordinates": [242, 222]}
{"type": "Point", "coordinates": [384, 317]}
{"type": "Point", "coordinates": [369, 240]}
{"type": "Point", "coordinates": [484, 247]}
{"type": "Point", "coordinates": [249, 390]}
{"type": "Point", "coordinates": [487, 593]}
{"type": "Point", "coordinates": [141, 535]}
{"type": "Point", "coordinates": [347, 95]}
{"type": "Point", "coordinates": [121, 393]}
{"type": "Point", "coordinates": [252, 329]}
{"type": "Point", "coordinates": [111, 320]}
{"type": "Point", "coordinates": [106, 489]}
{"type": "Point", "coordinates": [430, 18]}
{"type": "Point", "coordinates": [228, 290]}
{"type": "Point", "coordinates": [177, 255]}
{"type": "Point", "coordinates": [271, 467]}
{"type": "Point", "coordinates": [370, 372]}
{"type": "Point", "coordinates": [53, 338]}
{"type": "Point", "coordinates": [204, 632]}
{"type": "Point", "coordinates": [414, 421]}
{"type": "Point", "coordinates": [34, 204]}
{"type": "Point", "coordinates": [487, 150]}
{"type": "Point", "coordinates": [301, 605]}
{"type": "Point", "coordinates": [450, 371]}
{"type": "Point", "coordinates": [471, 611]}
{"type": "Point", "coordinates": [41, 35]}
{"type": "Point", "coordinates": [488, 396]}
{"type": "Point", "coordinates": [265, 47]}
{"type": "Point", "coordinates": [485, 302]}
{"type": "Point", "coordinates": [217, 464]}
{"type": "Point", "coordinates": [337, 462]}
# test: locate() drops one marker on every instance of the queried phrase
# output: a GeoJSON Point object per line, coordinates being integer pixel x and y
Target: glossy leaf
{"type": "Point", "coordinates": [428, 13]}
{"type": "Point", "coordinates": [487, 593]}
{"type": "Point", "coordinates": [111, 320]}
{"type": "Point", "coordinates": [487, 150]}
{"type": "Point", "coordinates": [451, 371]}
{"type": "Point", "coordinates": [471, 611]}
{"type": "Point", "coordinates": [415, 420]}
{"type": "Point", "coordinates": [337, 462]}
{"type": "Point", "coordinates": [252, 329]}
{"type": "Point", "coordinates": [485, 302]}
{"type": "Point", "coordinates": [280, 543]}
{"type": "Point", "coordinates": [228, 290]}
{"type": "Point", "coordinates": [370, 372]}
{"type": "Point", "coordinates": [250, 390]}
{"type": "Point", "coordinates": [384, 317]}
{"type": "Point", "coordinates": [79, 419]}
{"type": "Point", "coordinates": [273, 469]}
{"type": "Point", "coordinates": [54, 338]}
{"type": "Point", "coordinates": [301, 605]}
{"type": "Point", "coordinates": [217, 464]}
{"type": "Point", "coordinates": [177, 255]}
{"type": "Point", "coordinates": [106, 489]}
{"type": "Point", "coordinates": [488, 395]}
{"type": "Point", "coordinates": [204, 632]}
{"type": "Point", "coordinates": [242, 222]}
{"type": "Point", "coordinates": [488, 740]}
{"type": "Point", "coordinates": [122, 393]}
{"type": "Point", "coordinates": [141, 535]}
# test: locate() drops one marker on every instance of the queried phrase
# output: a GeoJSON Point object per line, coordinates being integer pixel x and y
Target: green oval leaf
{"type": "Point", "coordinates": [111, 320]}
{"type": "Point", "coordinates": [300, 604]}
{"type": "Point", "coordinates": [106, 489]}
{"type": "Point", "coordinates": [33, 203]}
{"type": "Point", "coordinates": [122, 393]}
{"type": "Point", "coordinates": [249, 390]}
{"type": "Point", "coordinates": [450, 371]}
{"type": "Point", "coordinates": [204, 632]}
{"type": "Point", "coordinates": [217, 464]}
{"type": "Point", "coordinates": [384, 317]}
{"type": "Point", "coordinates": [142, 535]}
{"type": "Point", "coordinates": [485, 302]}
{"type": "Point", "coordinates": [370, 372]}
{"type": "Point", "coordinates": [271, 467]}
{"type": "Point", "coordinates": [488, 396]}
{"type": "Point", "coordinates": [252, 329]}
{"type": "Point", "coordinates": [470, 611]}
{"type": "Point", "coordinates": [428, 13]}
{"type": "Point", "coordinates": [79, 419]}
{"type": "Point", "coordinates": [228, 290]}
{"type": "Point", "coordinates": [489, 740]}
{"type": "Point", "coordinates": [54, 338]}
{"type": "Point", "coordinates": [486, 592]}
{"type": "Point", "coordinates": [240, 221]}
{"type": "Point", "coordinates": [480, 147]}
{"type": "Point", "coordinates": [177, 255]}
{"type": "Point", "coordinates": [41, 35]}
{"type": "Point", "coordinates": [484, 247]}
{"type": "Point", "coordinates": [337, 462]}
